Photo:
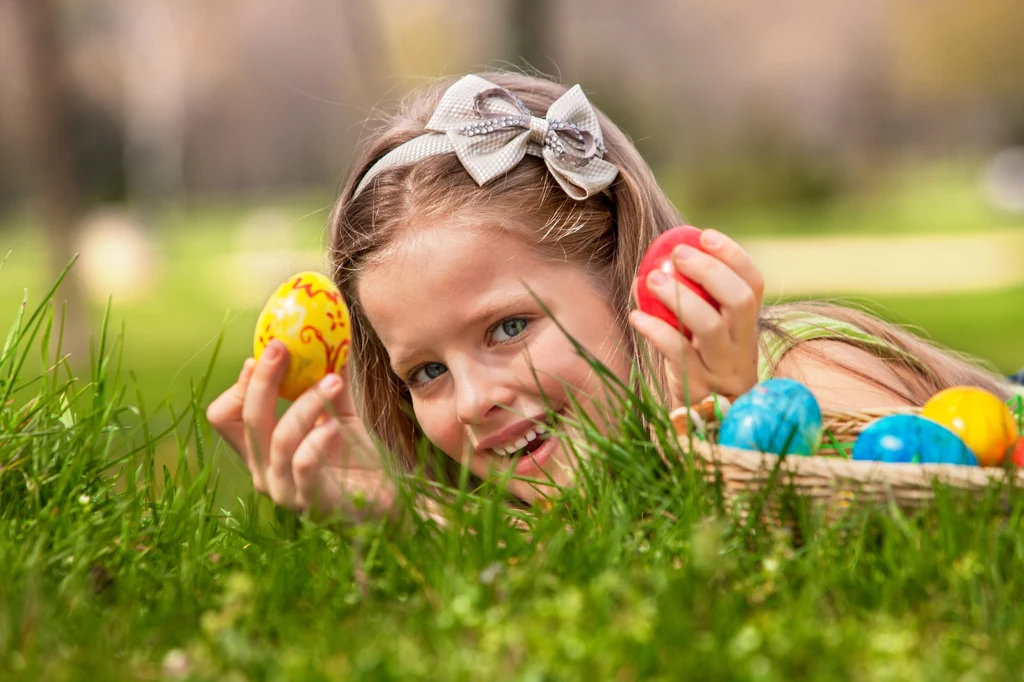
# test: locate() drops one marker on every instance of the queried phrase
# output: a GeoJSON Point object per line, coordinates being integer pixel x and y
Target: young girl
{"type": "Point", "coordinates": [475, 200]}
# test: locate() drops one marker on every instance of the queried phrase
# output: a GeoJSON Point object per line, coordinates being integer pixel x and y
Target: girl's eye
{"type": "Point", "coordinates": [428, 373]}
{"type": "Point", "coordinates": [510, 328]}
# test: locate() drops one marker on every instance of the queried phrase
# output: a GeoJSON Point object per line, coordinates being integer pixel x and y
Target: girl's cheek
{"type": "Point", "coordinates": [446, 434]}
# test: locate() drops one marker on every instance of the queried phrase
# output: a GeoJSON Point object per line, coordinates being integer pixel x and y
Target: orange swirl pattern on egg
{"type": "Point", "coordinates": [308, 314]}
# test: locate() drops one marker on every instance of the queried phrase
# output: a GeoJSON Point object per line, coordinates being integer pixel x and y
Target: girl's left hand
{"type": "Point", "coordinates": [722, 357]}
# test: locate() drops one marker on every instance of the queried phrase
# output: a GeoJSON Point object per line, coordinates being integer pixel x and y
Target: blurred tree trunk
{"type": "Point", "coordinates": [365, 44]}
{"type": "Point", "coordinates": [52, 174]}
{"type": "Point", "coordinates": [154, 105]}
{"type": "Point", "coordinates": [528, 33]}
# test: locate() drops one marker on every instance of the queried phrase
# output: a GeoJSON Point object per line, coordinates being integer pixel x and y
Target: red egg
{"type": "Point", "coordinates": [1018, 453]}
{"type": "Point", "coordinates": [659, 257]}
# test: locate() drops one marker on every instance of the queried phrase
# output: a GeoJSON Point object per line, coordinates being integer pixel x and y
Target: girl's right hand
{"type": "Point", "coordinates": [318, 457]}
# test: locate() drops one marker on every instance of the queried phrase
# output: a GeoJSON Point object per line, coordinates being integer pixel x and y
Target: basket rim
{"type": "Point", "coordinates": [851, 471]}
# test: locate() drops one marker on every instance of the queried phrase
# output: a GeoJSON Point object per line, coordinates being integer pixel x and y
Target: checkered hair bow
{"type": "Point", "coordinates": [490, 130]}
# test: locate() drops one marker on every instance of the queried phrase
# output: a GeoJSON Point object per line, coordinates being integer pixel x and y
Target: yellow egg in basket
{"type": "Point", "coordinates": [982, 421]}
{"type": "Point", "coordinates": [308, 314]}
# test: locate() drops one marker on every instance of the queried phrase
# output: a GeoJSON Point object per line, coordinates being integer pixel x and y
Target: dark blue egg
{"type": "Point", "coordinates": [778, 415]}
{"type": "Point", "coordinates": [909, 438]}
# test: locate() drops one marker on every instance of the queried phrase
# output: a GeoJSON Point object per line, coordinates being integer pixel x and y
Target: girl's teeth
{"type": "Point", "coordinates": [520, 443]}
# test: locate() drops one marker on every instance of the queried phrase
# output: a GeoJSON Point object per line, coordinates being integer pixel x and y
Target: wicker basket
{"type": "Point", "coordinates": [841, 427]}
{"type": "Point", "coordinates": [836, 482]}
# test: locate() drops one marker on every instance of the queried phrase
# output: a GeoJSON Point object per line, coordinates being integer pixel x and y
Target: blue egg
{"type": "Point", "coordinates": [778, 415]}
{"type": "Point", "coordinates": [909, 438]}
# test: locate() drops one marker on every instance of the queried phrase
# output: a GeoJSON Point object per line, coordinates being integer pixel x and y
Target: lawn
{"type": "Point", "coordinates": [131, 546]}
{"type": "Point", "coordinates": [115, 567]}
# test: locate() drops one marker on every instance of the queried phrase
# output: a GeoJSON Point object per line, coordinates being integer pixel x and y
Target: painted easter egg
{"type": "Point", "coordinates": [779, 415]}
{"type": "Point", "coordinates": [308, 314]}
{"type": "Point", "coordinates": [980, 419]}
{"type": "Point", "coordinates": [1018, 452]}
{"type": "Point", "coordinates": [659, 257]}
{"type": "Point", "coordinates": [909, 438]}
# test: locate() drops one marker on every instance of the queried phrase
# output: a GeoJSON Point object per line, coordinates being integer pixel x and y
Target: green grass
{"type": "Point", "coordinates": [114, 566]}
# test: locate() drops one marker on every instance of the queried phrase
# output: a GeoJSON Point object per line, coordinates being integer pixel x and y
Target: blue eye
{"type": "Point", "coordinates": [512, 327]}
{"type": "Point", "coordinates": [428, 372]}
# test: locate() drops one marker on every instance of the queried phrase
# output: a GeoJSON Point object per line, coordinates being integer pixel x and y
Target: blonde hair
{"type": "Point", "coordinates": [606, 234]}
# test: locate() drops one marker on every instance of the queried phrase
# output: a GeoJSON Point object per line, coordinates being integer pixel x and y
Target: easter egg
{"type": "Point", "coordinates": [980, 419]}
{"type": "Point", "coordinates": [308, 314]}
{"type": "Point", "coordinates": [909, 438]}
{"type": "Point", "coordinates": [1018, 452]}
{"type": "Point", "coordinates": [659, 257]}
{"type": "Point", "coordinates": [778, 415]}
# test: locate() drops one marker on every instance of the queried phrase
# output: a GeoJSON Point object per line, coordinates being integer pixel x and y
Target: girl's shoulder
{"type": "Point", "coordinates": [786, 327]}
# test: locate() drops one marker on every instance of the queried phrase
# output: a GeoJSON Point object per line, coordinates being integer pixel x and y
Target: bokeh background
{"type": "Point", "coordinates": [189, 150]}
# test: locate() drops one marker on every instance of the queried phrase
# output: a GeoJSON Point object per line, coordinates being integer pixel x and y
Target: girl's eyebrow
{"type": "Point", "coordinates": [497, 306]}
{"type": "Point", "coordinates": [484, 314]}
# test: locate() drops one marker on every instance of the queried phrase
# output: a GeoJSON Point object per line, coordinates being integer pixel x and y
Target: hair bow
{"type": "Point", "coordinates": [490, 130]}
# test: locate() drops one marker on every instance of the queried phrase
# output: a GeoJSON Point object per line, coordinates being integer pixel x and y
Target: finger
{"type": "Point", "coordinates": [734, 256]}
{"type": "Point", "coordinates": [693, 312]}
{"type": "Point", "coordinates": [225, 412]}
{"type": "Point", "coordinates": [324, 489]}
{"type": "Point", "coordinates": [293, 427]}
{"type": "Point", "coordinates": [676, 350]}
{"type": "Point", "coordinates": [259, 410]}
{"type": "Point", "coordinates": [310, 468]}
{"type": "Point", "coordinates": [344, 403]}
{"type": "Point", "coordinates": [737, 300]}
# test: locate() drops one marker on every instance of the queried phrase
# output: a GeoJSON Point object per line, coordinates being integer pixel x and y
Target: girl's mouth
{"type": "Point", "coordinates": [531, 462]}
{"type": "Point", "coordinates": [534, 450]}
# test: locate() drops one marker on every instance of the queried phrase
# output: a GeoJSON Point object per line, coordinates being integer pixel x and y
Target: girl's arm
{"type": "Point", "coordinates": [723, 355]}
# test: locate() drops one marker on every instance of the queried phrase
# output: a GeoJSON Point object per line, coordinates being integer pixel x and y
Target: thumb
{"type": "Point", "coordinates": [225, 412]}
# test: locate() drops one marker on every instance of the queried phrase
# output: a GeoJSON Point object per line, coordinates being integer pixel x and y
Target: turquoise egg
{"type": "Point", "coordinates": [909, 438]}
{"type": "Point", "coordinates": [779, 415]}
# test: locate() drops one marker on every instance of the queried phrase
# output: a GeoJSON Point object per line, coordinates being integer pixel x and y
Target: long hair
{"type": "Point", "coordinates": [606, 234]}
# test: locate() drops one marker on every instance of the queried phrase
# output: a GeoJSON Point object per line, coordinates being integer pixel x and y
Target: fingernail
{"type": "Point", "coordinates": [684, 252]}
{"type": "Point", "coordinates": [272, 351]}
{"type": "Point", "coordinates": [711, 238]}
{"type": "Point", "coordinates": [330, 383]}
{"type": "Point", "coordinates": [657, 278]}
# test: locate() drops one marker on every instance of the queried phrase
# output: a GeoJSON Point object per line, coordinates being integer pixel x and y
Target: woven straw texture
{"type": "Point", "coordinates": [836, 483]}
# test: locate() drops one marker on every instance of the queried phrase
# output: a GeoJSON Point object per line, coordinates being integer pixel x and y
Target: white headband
{"type": "Point", "coordinates": [490, 130]}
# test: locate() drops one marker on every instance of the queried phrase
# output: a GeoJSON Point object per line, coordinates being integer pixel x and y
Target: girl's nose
{"type": "Point", "coordinates": [480, 393]}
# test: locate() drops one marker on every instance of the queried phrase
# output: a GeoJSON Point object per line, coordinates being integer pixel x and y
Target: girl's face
{"type": "Point", "coordinates": [451, 304]}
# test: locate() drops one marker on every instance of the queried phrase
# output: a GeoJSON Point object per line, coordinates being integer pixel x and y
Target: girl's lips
{"type": "Point", "coordinates": [530, 465]}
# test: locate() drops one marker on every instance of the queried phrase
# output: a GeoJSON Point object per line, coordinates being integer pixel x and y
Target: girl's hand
{"type": "Point", "coordinates": [722, 357]}
{"type": "Point", "coordinates": [317, 457]}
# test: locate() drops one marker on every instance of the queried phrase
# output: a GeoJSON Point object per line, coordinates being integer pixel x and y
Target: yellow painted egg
{"type": "Point", "coordinates": [981, 420]}
{"type": "Point", "coordinates": [309, 315]}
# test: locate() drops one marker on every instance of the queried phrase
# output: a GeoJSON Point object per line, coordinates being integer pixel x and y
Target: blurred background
{"type": "Point", "coordinates": [190, 151]}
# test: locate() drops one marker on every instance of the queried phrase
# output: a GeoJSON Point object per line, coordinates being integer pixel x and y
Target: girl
{"type": "Point", "coordinates": [475, 200]}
